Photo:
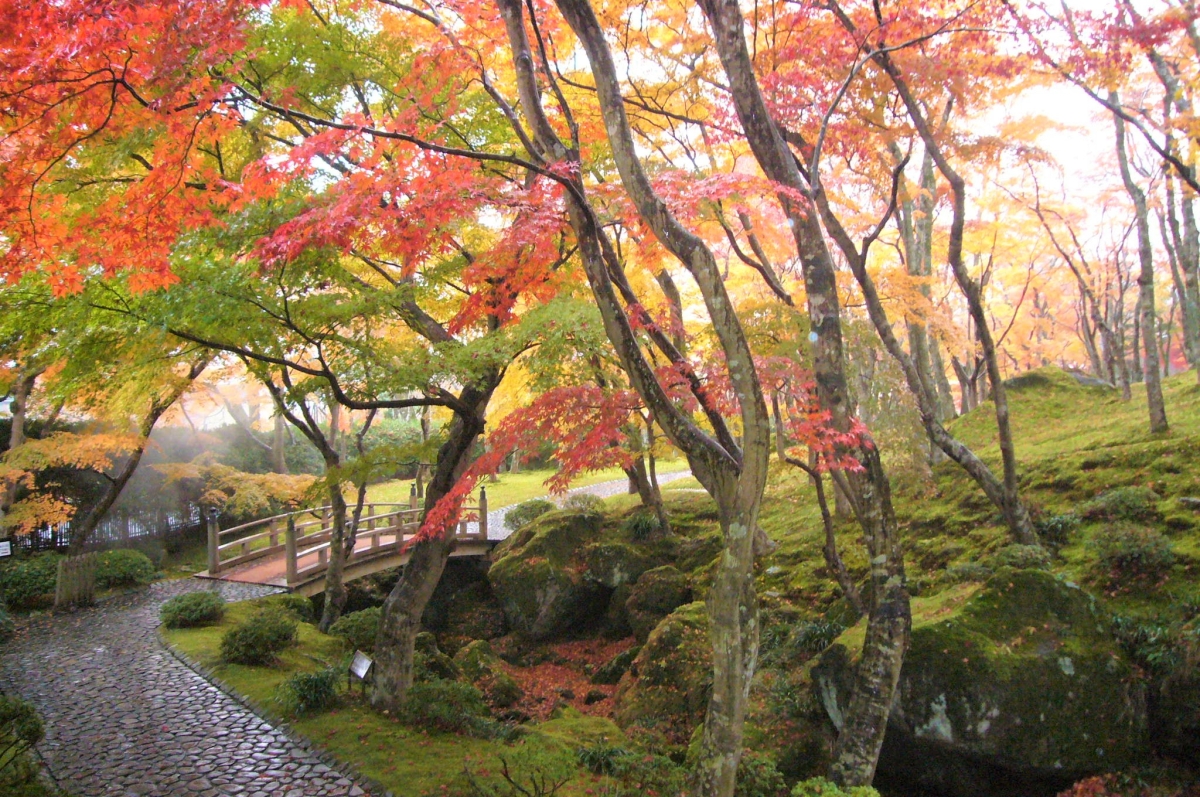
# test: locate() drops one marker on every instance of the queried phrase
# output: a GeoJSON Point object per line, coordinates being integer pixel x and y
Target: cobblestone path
{"type": "Point", "coordinates": [125, 717]}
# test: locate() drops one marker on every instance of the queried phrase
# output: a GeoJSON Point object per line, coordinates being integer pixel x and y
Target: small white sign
{"type": "Point", "coordinates": [361, 665]}
{"type": "Point", "coordinates": [5, 548]}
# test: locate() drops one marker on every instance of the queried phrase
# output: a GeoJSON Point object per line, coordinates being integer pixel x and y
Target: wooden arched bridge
{"type": "Point", "coordinates": [292, 550]}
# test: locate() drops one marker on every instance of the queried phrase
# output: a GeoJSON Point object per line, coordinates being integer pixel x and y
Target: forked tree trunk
{"type": "Point", "coordinates": [857, 749]}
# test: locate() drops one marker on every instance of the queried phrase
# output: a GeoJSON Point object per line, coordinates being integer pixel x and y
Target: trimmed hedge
{"type": "Point", "coordinates": [123, 568]}
{"type": "Point", "coordinates": [259, 640]}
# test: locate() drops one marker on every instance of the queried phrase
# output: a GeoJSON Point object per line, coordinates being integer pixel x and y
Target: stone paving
{"type": "Point", "coordinates": [124, 717]}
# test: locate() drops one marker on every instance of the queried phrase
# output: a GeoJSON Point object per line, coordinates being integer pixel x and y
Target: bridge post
{"type": "Point", "coordinates": [289, 550]}
{"type": "Point", "coordinates": [214, 542]}
{"type": "Point", "coordinates": [483, 512]}
{"type": "Point", "coordinates": [412, 497]}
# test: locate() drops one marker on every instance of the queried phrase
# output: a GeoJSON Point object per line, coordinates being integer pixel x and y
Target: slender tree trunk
{"type": "Point", "coordinates": [279, 445]}
{"type": "Point", "coordinates": [857, 749]}
{"type": "Point", "coordinates": [335, 587]}
{"type": "Point", "coordinates": [82, 532]}
{"type": "Point", "coordinates": [1146, 316]}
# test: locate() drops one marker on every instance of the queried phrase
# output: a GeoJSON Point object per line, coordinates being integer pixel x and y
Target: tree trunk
{"type": "Point", "coordinates": [858, 746]}
{"type": "Point", "coordinates": [400, 621]}
{"type": "Point", "coordinates": [82, 532]}
{"type": "Point", "coordinates": [1146, 316]}
{"type": "Point", "coordinates": [335, 587]}
{"type": "Point", "coordinates": [279, 445]}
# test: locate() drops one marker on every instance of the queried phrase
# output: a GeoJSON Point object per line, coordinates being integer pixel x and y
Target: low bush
{"type": "Point", "coordinates": [1123, 503]}
{"type": "Point", "coordinates": [1055, 530]}
{"type": "Point", "coordinates": [1022, 557]}
{"type": "Point", "coordinates": [584, 502]}
{"type": "Point", "coordinates": [28, 582]}
{"type": "Point", "coordinates": [757, 776]}
{"type": "Point", "coordinates": [123, 568]}
{"type": "Point", "coordinates": [310, 692]}
{"type": "Point", "coordinates": [193, 609]}
{"type": "Point", "coordinates": [1156, 647]}
{"type": "Point", "coordinates": [968, 571]}
{"type": "Point", "coordinates": [258, 640]}
{"type": "Point", "coordinates": [358, 629]}
{"type": "Point", "coordinates": [446, 705]}
{"type": "Point", "coordinates": [529, 769]}
{"type": "Point", "coordinates": [634, 773]}
{"type": "Point", "coordinates": [820, 787]}
{"type": "Point", "coordinates": [527, 512]}
{"type": "Point", "coordinates": [299, 607]}
{"type": "Point", "coordinates": [1128, 553]}
{"type": "Point", "coordinates": [641, 525]}
{"type": "Point", "coordinates": [20, 730]}
{"type": "Point", "coordinates": [817, 635]}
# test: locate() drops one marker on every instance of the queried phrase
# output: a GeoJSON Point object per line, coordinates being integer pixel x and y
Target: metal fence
{"type": "Point", "coordinates": [119, 529]}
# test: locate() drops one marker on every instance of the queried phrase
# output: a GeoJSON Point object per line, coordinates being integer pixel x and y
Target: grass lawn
{"type": "Point", "coordinates": [406, 760]}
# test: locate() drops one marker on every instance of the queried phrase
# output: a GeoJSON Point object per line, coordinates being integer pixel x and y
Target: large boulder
{"type": "Point", "coordinates": [1020, 690]}
{"type": "Point", "coordinates": [540, 581]}
{"type": "Point", "coordinates": [668, 685]}
{"type": "Point", "coordinates": [655, 595]}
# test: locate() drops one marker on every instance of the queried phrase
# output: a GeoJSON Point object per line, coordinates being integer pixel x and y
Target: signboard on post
{"type": "Point", "coordinates": [360, 668]}
{"type": "Point", "coordinates": [5, 547]}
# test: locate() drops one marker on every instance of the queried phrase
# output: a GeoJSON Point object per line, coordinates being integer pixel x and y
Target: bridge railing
{"type": "Point", "coordinates": [383, 529]}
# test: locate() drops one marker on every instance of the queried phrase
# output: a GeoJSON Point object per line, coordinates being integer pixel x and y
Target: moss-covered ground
{"type": "Point", "coordinates": [404, 759]}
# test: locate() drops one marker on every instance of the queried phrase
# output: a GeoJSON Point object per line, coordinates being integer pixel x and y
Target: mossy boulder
{"type": "Point", "coordinates": [1021, 689]}
{"type": "Point", "coordinates": [540, 581]}
{"type": "Point", "coordinates": [655, 595]}
{"type": "Point", "coordinates": [1175, 703]}
{"type": "Point", "coordinates": [668, 685]}
{"type": "Point", "coordinates": [616, 667]}
{"type": "Point", "coordinates": [616, 563]}
{"type": "Point", "coordinates": [479, 663]}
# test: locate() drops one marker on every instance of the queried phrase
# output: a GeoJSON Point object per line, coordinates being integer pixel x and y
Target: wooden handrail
{"type": "Point", "coordinates": [294, 540]}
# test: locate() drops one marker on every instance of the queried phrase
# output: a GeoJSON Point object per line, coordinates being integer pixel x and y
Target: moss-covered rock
{"type": "Point", "coordinates": [1020, 690]}
{"type": "Point", "coordinates": [483, 667]}
{"type": "Point", "coordinates": [616, 667]}
{"type": "Point", "coordinates": [1175, 704]}
{"type": "Point", "coordinates": [539, 579]}
{"type": "Point", "coordinates": [655, 595]}
{"type": "Point", "coordinates": [668, 685]}
{"type": "Point", "coordinates": [615, 563]}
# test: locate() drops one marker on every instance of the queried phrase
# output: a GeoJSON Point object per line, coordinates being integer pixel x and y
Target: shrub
{"type": "Point", "coordinates": [641, 525]}
{"type": "Point", "coordinates": [310, 692]}
{"type": "Point", "coordinates": [757, 776]}
{"type": "Point", "coordinates": [192, 609]}
{"type": "Point", "coordinates": [1123, 503]}
{"type": "Point", "coordinates": [358, 629]}
{"type": "Point", "coordinates": [20, 730]}
{"type": "Point", "coordinates": [817, 635]}
{"type": "Point", "coordinates": [1022, 557]}
{"type": "Point", "coordinates": [1128, 553]}
{"type": "Point", "coordinates": [259, 640]}
{"type": "Point", "coordinates": [530, 769]}
{"type": "Point", "coordinates": [584, 502]}
{"type": "Point", "coordinates": [446, 705]}
{"type": "Point", "coordinates": [1055, 530]}
{"type": "Point", "coordinates": [527, 512]}
{"type": "Point", "coordinates": [123, 568]}
{"type": "Point", "coordinates": [968, 571]}
{"type": "Point", "coordinates": [297, 606]}
{"type": "Point", "coordinates": [28, 582]}
{"type": "Point", "coordinates": [820, 787]}
{"type": "Point", "coordinates": [7, 626]}
{"type": "Point", "coordinates": [635, 773]}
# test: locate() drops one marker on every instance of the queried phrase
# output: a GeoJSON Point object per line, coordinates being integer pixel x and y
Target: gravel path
{"type": "Point", "coordinates": [496, 530]}
{"type": "Point", "coordinates": [125, 717]}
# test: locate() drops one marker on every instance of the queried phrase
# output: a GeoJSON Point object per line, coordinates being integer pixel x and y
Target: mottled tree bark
{"type": "Point", "coordinates": [16, 435]}
{"type": "Point", "coordinates": [1154, 397]}
{"type": "Point", "coordinates": [858, 745]}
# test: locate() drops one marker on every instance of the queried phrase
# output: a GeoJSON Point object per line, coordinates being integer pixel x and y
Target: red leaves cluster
{"type": "Point", "coordinates": [584, 424]}
{"type": "Point", "coordinates": [566, 678]}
